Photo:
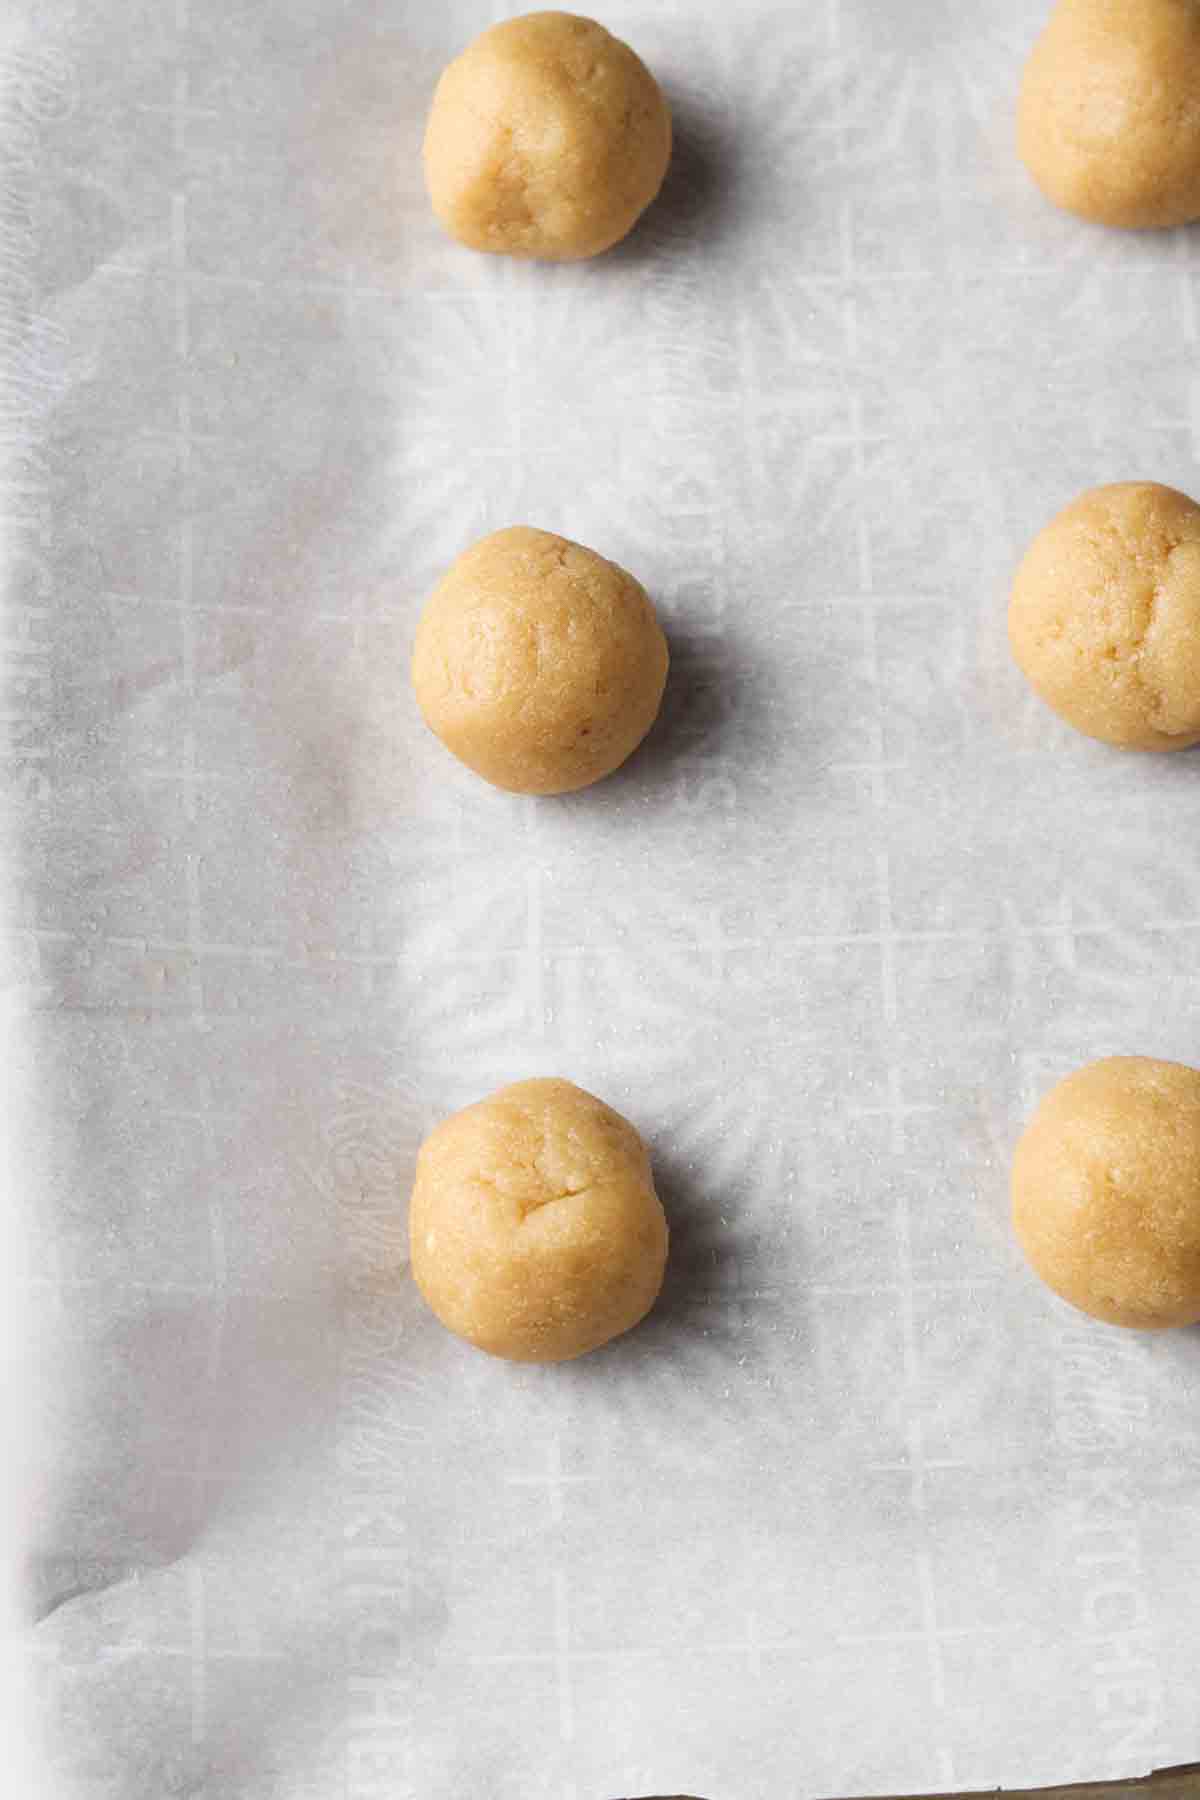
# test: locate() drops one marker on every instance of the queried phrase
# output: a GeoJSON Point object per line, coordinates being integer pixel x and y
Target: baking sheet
{"type": "Point", "coordinates": [860, 1508]}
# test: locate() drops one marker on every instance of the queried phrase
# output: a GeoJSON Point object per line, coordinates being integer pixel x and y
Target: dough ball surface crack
{"type": "Point", "coordinates": [535, 1230]}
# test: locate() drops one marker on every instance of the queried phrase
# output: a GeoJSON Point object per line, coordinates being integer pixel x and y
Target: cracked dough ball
{"type": "Point", "coordinates": [1109, 115]}
{"type": "Point", "coordinates": [535, 1229]}
{"type": "Point", "coordinates": [1105, 616]}
{"type": "Point", "coordinates": [538, 663]}
{"type": "Point", "coordinates": [1106, 1192]}
{"type": "Point", "coordinates": [547, 137]}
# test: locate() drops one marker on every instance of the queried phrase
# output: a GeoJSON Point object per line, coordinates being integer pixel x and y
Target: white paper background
{"type": "Point", "coordinates": [860, 1508]}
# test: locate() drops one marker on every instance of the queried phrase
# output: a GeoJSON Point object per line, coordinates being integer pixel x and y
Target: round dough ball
{"type": "Point", "coordinates": [1106, 1192]}
{"type": "Point", "coordinates": [535, 1229]}
{"type": "Point", "coordinates": [1109, 115]}
{"type": "Point", "coordinates": [1105, 616]}
{"type": "Point", "coordinates": [538, 663]}
{"type": "Point", "coordinates": [547, 137]}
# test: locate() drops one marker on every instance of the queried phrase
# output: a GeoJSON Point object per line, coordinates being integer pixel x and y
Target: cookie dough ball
{"type": "Point", "coordinates": [538, 663]}
{"type": "Point", "coordinates": [1109, 121]}
{"type": "Point", "coordinates": [1105, 616]}
{"type": "Point", "coordinates": [535, 1229]}
{"type": "Point", "coordinates": [548, 137]}
{"type": "Point", "coordinates": [1106, 1192]}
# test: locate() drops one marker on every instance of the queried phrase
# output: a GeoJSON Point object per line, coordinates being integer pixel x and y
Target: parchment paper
{"type": "Point", "coordinates": [861, 1508]}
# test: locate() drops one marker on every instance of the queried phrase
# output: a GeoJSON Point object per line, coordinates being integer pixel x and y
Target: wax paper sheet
{"type": "Point", "coordinates": [861, 1508]}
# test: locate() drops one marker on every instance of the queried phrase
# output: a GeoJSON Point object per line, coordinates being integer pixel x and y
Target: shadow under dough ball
{"type": "Point", "coordinates": [538, 663]}
{"type": "Point", "coordinates": [1104, 618]}
{"type": "Point", "coordinates": [534, 1227]}
{"type": "Point", "coordinates": [548, 137]}
{"type": "Point", "coordinates": [1109, 113]}
{"type": "Point", "coordinates": [1106, 1192]}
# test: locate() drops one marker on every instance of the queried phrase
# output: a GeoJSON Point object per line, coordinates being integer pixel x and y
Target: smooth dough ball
{"type": "Point", "coordinates": [535, 1229]}
{"type": "Point", "coordinates": [1109, 115]}
{"type": "Point", "coordinates": [1106, 1192]}
{"type": "Point", "coordinates": [1105, 616]}
{"type": "Point", "coordinates": [547, 137]}
{"type": "Point", "coordinates": [538, 663]}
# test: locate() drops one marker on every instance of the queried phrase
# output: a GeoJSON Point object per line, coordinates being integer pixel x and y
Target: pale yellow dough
{"type": "Point", "coordinates": [1106, 1192]}
{"type": "Point", "coordinates": [548, 137]}
{"type": "Point", "coordinates": [1109, 115]}
{"type": "Point", "coordinates": [535, 1230]}
{"type": "Point", "coordinates": [538, 663]}
{"type": "Point", "coordinates": [1105, 616]}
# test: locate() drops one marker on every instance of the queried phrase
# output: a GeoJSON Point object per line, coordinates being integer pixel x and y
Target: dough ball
{"type": "Point", "coordinates": [1105, 616]}
{"type": "Point", "coordinates": [1106, 1192]}
{"type": "Point", "coordinates": [535, 1229]}
{"type": "Point", "coordinates": [547, 137]}
{"type": "Point", "coordinates": [1109, 115]}
{"type": "Point", "coordinates": [538, 663]}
